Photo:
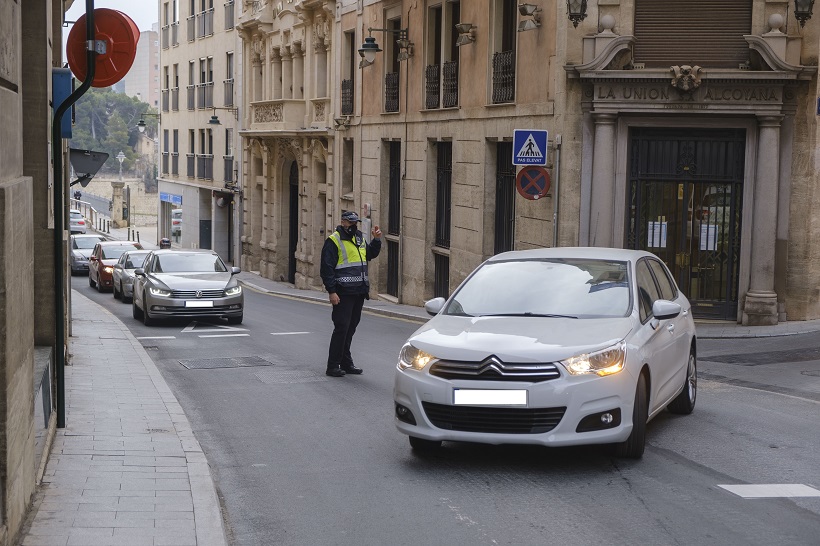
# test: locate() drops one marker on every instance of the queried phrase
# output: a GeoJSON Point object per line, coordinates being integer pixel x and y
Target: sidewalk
{"type": "Point", "coordinates": [127, 469]}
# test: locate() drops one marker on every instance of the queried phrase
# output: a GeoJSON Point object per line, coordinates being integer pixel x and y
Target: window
{"type": "Point", "coordinates": [347, 166]}
{"type": "Point", "coordinates": [191, 85]}
{"type": "Point", "coordinates": [444, 176]}
{"type": "Point", "coordinates": [504, 198]}
{"type": "Point", "coordinates": [665, 282]}
{"type": "Point", "coordinates": [503, 58]}
{"type": "Point", "coordinates": [647, 291]}
{"type": "Point", "coordinates": [441, 72]}
{"type": "Point", "coordinates": [348, 72]}
{"type": "Point", "coordinates": [392, 65]}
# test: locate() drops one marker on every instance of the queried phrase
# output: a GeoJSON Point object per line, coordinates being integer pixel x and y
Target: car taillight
{"type": "Point", "coordinates": [81, 222]}
{"type": "Point", "coordinates": [175, 222]}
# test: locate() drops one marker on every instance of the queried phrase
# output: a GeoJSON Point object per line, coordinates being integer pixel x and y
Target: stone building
{"type": "Point", "coordinates": [199, 119]}
{"type": "Point", "coordinates": [142, 80]}
{"type": "Point", "coordinates": [668, 133]}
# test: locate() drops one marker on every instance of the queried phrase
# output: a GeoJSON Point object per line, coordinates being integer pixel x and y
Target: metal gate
{"type": "Point", "coordinates": [685, 205]}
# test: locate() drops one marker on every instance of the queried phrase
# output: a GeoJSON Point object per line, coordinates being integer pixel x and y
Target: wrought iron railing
{"type": "Point", "coordinates": [175, 33]}
{"type": "Point", "coordinates": [166, 95]}
{"type": "Point", "coordinates": [441, 283]}
{"type": "Point", "coordinates": [205, 167]}
{"type": "Point", "coordinates": [165, 36]}
{"type": "Point", "coordinates": [175, 99]}
{"type": "Point", "coordinates": [347, 97]}
{"type": "Point", "coordinates": [206, 23]}
{"type": "Point", "coordinates": [503, 77]}
{"type": "Point", "coordinates": [228, 174]}
{"type": "Point", "coordinates": [228, 92]}
{"type": "Point", "coordinates": [449, 85]}
{"type": "Point", "coordinates": [192, 28]}
{"type": "Point", "coordinates": [191, 97]}
{"type": "Point", "coordinates": [229, 15]}
{"type": "Point", "coordinates": [444, 184]}
{"type": "Point", "coordinates": [191, 164]}
{"type": "Point", "coordinates": [175, 163]}
{"type": "Point", "coordinates": [394, 190]}
{"type": "Point", "coordinates": [432, 86]}
{"type": "Point", "coordinates": [391, 92]}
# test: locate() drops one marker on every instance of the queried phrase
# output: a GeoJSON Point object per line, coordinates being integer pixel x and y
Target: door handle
{"type": "Point", "coordinates": [671, 328]}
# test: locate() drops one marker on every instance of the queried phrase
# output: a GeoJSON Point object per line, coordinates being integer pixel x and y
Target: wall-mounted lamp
{"type": "Point", "coordinates": [141, 123]}
{"type": "Point", "coordinates": [369, 48]}
{"type": "Point", "coordinates": [802, 10]}
{"type": "Point", "coordinates": [576, 11]}
{"type": "Point", "coordinates": [215, 119]}
{"type": "Point", "coordinates": [466, 33]}
{"type": "Point", "coordinates": [533, 13]}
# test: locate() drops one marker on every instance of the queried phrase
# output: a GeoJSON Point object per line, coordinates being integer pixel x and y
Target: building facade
{"type": "Point", "coordinates": [198, 132]}
{"type": "Point", "coordinates": [695, 141]}
{"type": "Point", "coordinates": [142, 80]}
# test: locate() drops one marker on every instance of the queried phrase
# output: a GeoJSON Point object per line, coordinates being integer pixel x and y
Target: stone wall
{"type": "Point", "coordinates": [144, 206]}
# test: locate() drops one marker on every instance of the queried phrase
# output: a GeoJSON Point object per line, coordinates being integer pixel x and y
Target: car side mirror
{"type": "Point", "coordinates": [434, 306]}
{"type": "Point", "coordinates": [664, 309]}
{"type": "Point", "coordinates": [235, 270]}
{"type": "Point", "coordinates": [139, 272]}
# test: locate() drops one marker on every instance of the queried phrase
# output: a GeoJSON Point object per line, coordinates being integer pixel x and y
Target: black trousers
{"type": "Point", "coordinates": [346, 316]}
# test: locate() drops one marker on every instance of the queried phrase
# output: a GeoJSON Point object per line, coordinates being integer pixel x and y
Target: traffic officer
{"type": "Point", "coordinates": [344, 274]}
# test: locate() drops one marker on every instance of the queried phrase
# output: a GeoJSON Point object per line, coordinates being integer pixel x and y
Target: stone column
{"type": "Point", "coordinates": [760, 308]}
{"type": "Point", "coordinates": [601, 232]}
{"type": "Point", "coordinates": [298, 71]}
{"type": "Point", "coordinates": [116, 207]}
{"type": "Point", "coordinates": [287, 73]}
{"type": "Point", "coordinates": [276, 77]}
{"type": "Point", "coordinates": [257, 79]}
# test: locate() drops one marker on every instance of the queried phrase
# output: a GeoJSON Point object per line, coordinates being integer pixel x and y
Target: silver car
{"type": "Point", "coordinates": [186, 283]}
{"type": "Point", "coordinates": [81, 247]}
{"type": "Point", "coordinates": [553, 347]}
{"type": "Point", "coordinates": [77, 221]}
{"type": "Point", "coordinates": [123, 274]}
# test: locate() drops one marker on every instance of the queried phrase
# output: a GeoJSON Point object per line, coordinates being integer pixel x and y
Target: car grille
{"type": "Point", "coordinates": [192, 295]}
{"type": "Point", "coordinates": [493, 420]}
{"type": "Point", "coordinates": [493, 369]}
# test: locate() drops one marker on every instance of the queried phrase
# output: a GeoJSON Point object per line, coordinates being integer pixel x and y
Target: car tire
{"type": "Point", "coordinates": [91, 282]}
{"type": "Point", "coordinates": [136, 312]}
{"type": "Point", "coordinates": [424, 446]}
{"type": "Point", "coordinates": [633, 447]}
{"type": "Point", "coordinates": [146, 318]}
{"type": "Point", "coordinates": [235, 320]}
{"type": "Point", "coordinates": [117, 294]}
{"type": "Point", "coordinates": [684, 403]}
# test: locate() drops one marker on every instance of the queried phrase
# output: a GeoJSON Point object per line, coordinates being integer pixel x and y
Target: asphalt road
{"type": "Point", "coordinates": [300, 458]}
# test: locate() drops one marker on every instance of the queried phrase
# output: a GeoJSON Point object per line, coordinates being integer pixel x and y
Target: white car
{"type": "Point", "coordinates": [554, 347]}
{"type": "Point", "coordinates": [123, 274]}
{"type": "Point", "coordinates": [77, 221]}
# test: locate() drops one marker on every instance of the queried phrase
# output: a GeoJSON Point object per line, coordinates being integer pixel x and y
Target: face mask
{"type": "Point", "coordinates": [351, 230]}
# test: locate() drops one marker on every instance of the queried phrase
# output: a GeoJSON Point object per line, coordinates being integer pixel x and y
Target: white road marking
{"type": "Point", "coordinates": [158, 337]}
{"type": "Point", "coordinates": [287, 333]}
{"type": "Point", "coordinates": [227, 335]}
{"type": "Point", "coordinates": [190, 329]}
{"type": "Point", "coordinates": [771, 490]}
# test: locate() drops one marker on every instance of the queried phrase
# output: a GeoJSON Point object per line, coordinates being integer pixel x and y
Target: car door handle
{"type": "Point", "coordinates": [671, 328]}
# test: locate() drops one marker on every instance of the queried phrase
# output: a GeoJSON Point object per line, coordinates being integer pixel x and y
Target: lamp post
{"type": "Point", "coordinates": [120, 158]}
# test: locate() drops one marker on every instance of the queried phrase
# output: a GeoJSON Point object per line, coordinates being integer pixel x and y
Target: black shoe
{"type": "Point", "coordinates": [335, 372]}
{"type": "Point", "coordinates": [352, 369]}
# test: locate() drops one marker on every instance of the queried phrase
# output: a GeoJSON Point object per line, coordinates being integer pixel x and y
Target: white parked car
{"type": "Point", "coordinates": [77, 221]}
{"type": "Point", "coordinates": [123, 274]}
{"type": "Point", "coordinates": [556, 347]}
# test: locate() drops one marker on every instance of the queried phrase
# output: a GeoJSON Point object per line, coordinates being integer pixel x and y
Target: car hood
{"type": "Point", "coordinates": [517, 339]}
{"type": "Point", "coordinates": [192, 281]}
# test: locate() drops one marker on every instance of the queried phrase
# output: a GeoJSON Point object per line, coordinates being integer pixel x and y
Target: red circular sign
{"type": "Point", "coordinates": [532, 182]}
{"type": "Point", "coordinates": [120, 35]}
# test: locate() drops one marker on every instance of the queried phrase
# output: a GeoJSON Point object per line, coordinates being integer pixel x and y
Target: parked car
{"type": "Point", "coordinates": [102, 260]}
{"type": "Point", "coordinates": [77, 221]}
{"type": "Point", "coordinates": [186, 283]}
{"type": "Point", "coordinates": [555, 347]}
{"type": "Point", "coordinates": [81, 248]}
{"type": "Point", "coordinates": [176, 222]}
{"type": "Point", "coordinates": [123, 273]}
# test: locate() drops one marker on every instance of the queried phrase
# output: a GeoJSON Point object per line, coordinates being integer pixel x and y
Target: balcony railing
{"type": "Point", "coordinates": [165, 99]}
{"type": "Point", "coordinates": [288, 113]}
{"type": "Point", "coordinates": [205, 167]}
{"type": "Point", "coordinates": [347, 97]}
{"type": "Point", "coordinates": [165, 34]}
{"type": "Point", "coordinates": [391, 92]}
{"type": "Point", "coordinates": [200, 95]}
{"type": "Point", "coordinates": [192, 28]}
{"type": "Point", "coordinates": [450, 84]}
{"type": "Point", "coordinates": [191, 165]}
{"type": "Point", "coordinates": [175, 99]}
{"type": "Point", "coordinates": [191, 97]}
{"type": "Point", "coordinates": [209, 94]}
{"type": "Point", "coordinates": [175, 164]}
{"type": "Point", "coordinates": [206, 23]}
{"type": "Point", "coordinates": [228, 168]}
{"type": "Point", "coordinates": [228, 92]}
{"type": "Point", "coordinates": [229, 18]}
{"type": "Point", "coordinates": [503, 77]}
{"type": "Point", "coordinates": [175, 33]}
{"type": "Point", "coordinates": [432, 86]}
{"type": "Point", "coordinates": [165, 163]}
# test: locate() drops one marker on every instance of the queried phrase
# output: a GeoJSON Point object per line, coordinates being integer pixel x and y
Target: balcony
{"type": "Point", "coordinates": [165, 34]}
{"type": "Point", "coordinates": [432, 86]}
{"type": "Point", "coordinates": [228, 174]}
{"type": "Point", "coordinates": [191, 165]}
{"type": "Point", "coordinates": [175, 99]}
{"type": "Point", "coordinates": [391, 92]}
{"type": "Point", "coordinates": [192, 28]}
{"type": "Point", "coordinates": [347, 97]}
{"type": "Point", "coordinates": [503, 77]}
{"type": "Point", "coordinates": [175, 164]}
{"type": "Point", "coordinates": [229, 15]}
{"type": "Point", "coordinates": [205, 167]}
{"type": "Point", "coordinates": [165, 99]}
{"type": "Point", "coordinates": [165, 163]}
{"type": "Point", "coordinates": [287, 114]}
{"type": "Point", "coordinates": [191, 97]}
{"type": "Point", "coordinates": [205, 95]}
{"type": "Point", "coordinates": [228, 92]}
{"type": "Point", "coordinates": [450, 85]}
{"type": "Point", "coordinates": [205, 25]}
{"type": "Point", "coordinates": [175, 33]}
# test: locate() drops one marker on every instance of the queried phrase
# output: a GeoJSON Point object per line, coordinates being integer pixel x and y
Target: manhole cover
{"type": "Point", "coordinates": [774, 357]}
{"type": "Point", "coordinates": [235, 362]}
{"type": "Point", "coordinates": [280, 376]}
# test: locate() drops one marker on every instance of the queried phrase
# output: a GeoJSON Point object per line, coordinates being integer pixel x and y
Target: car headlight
{"type": "Point", "coordinates": [108, 269]}
{"type": "Point", "coordinates": [159, 292]}
{"type": "Point", "coordinates": [606, 362]}
{"type": "Point", "coordinates": [233, 291]}
{"type": "Point", "coordinates": [410, 357]}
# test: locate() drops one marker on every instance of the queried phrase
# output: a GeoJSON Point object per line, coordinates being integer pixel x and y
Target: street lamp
{"type": "Point", "coordinates": [120, 158]}
{"type": "Point", "coordinates": [802, 10]}
{"type": "Point", "coordinates": [577, 11]}
{"type": "Point", "coordinates": [215, 119]}
{"type": "Point", "coordinates": [141, 122]}
{"type": "Point", "coordinates": [369, 49]}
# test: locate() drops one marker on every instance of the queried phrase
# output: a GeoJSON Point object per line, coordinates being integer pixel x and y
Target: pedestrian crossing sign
{"type": "Point", "coordinates": [530, 147]}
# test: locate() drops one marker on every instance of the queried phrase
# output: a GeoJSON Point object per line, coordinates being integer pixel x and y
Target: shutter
{"type": "Point", "coordinates": [707, 33]}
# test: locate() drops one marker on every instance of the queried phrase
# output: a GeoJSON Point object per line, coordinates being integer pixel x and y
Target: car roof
{"type": "Point", "coordinates": [120, 243]}
{"type": "Point", "coordinates": [162, 251]}
{"type": "Point", "coordinates": [589, 253]}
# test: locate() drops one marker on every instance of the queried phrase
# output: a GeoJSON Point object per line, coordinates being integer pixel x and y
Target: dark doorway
{"type": "Point", "coordinates": [293, 220]}
{"type": "Point", "coordinates": [685, 205]}
{"type": "Point", "coordinates": [394, 219]}
{"type": "Point", "coordinates": [205, 229]}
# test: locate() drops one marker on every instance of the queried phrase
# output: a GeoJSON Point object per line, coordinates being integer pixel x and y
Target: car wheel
{"type": "Point", "coordinates": [235, 320]}
{"type": "Point", "coordinates": [684, 403]}
{"type": "Point", "coordinates": [136, 312]}
{"type": "Point", "coordinates": [91, 282]}
{"type": "Point", "coordinates": [146, 318]}
{"type": "Point", "coordinates": [424, 446]}
{"type": "Point", "coordinates": [633, 447]}
{"type": "Point", "coordinates": [117, 293]}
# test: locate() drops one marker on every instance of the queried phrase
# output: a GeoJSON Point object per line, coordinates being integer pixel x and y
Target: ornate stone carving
{"type": "Point", "coordinates": [685, 77]}
{"type": "Point", "coordinates": [318, 150]}
{"type": "Point", "coordinates": [319, 109]}
{"type": "Point", "coordinates": [290, 148]}
{"type": "Point", "coordinates": [267, 113]}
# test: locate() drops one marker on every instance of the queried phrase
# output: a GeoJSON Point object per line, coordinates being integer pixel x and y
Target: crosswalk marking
{"type": "Point", "coordinates": [771, 490]}
{"type": "Point", "coordinates": [157, 337]}
{"type": "Point", "coordinates": [287, 333]}
{"type": "Point", "coordinates": [226, 335]}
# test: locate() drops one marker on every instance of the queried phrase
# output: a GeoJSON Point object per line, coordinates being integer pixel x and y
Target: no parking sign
{"type": "Point", "coordinates": [532, 182]}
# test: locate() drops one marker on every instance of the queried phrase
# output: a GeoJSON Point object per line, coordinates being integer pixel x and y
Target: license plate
{"type": "Point", "coordinates": [199, 304]}
{"type": "Point", "coordinates": [478, 397]}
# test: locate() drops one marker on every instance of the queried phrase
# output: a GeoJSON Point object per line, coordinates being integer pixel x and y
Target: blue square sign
{"type": "Point", "coordinates": [530, 147]}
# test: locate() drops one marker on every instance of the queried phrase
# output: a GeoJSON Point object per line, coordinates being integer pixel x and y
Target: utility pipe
{"type": "Point", "coordinates": [555, 191]}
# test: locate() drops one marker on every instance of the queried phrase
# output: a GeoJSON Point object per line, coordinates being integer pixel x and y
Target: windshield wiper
{"type": "Point", "coordinates": [528, 314]}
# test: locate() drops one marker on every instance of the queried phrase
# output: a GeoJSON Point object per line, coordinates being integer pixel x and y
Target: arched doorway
{"type": "Point", "coordinates": [293, 220]}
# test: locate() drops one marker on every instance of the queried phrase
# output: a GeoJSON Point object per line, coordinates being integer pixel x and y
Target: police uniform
{"type": "Point", "coordinates": [344, 272]}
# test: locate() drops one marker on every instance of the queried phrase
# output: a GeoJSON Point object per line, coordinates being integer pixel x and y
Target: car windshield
{"type": "Point", "coordinates": [114, 252]}
{"type": "Point", "coordinates": [76, 215]}
{"type": "Point", "coordinates": [86, 242]}
{"type": "Point", "coordinates": [135, 260]}
{"type": "Point", "coordinates": [577, 288]}
{"type": "Point", "coordinates": [179, 262]}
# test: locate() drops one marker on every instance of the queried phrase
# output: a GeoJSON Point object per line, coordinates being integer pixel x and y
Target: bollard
{"type": "Point", "coordinates": [108, 226]}
{"type": "Point", "coordinates": [138, 236]}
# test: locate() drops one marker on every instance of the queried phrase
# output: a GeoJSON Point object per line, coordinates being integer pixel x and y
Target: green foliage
{"type": "Point", "coordinates": [106, 121]}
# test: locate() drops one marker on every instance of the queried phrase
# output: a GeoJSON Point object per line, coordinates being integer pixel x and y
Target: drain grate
{"type": "Point", "coordinates": [280, 376]}
{"type": "Point", "coordinates": [773, 357]}
{"type": "Point", "coordinates": [235, 362]}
